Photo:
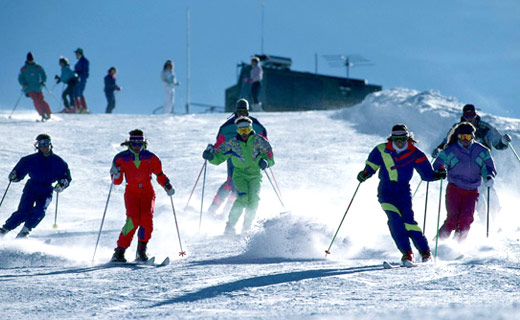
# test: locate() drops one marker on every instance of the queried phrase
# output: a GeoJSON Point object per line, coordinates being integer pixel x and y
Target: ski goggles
{"type": "Point", "coordinates": [44, 143]}
{"type": "Point", "coordinates": [242, 113]}
{"type": "Point", "coordinates": [244, 130]}
{"type": "Point", "coordinates": [399, 138]}
{"type": "Point", "coordinates": [465, 137]}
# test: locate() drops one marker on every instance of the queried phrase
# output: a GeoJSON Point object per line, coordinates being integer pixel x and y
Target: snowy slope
{"type": "Point", "coordinates": [279, 270]}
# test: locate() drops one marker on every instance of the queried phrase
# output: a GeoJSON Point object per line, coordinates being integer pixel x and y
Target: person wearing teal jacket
{"type": "Point", "coordinates": [32, 78]}
{"type": "Point", "coordinates": [250, 153]}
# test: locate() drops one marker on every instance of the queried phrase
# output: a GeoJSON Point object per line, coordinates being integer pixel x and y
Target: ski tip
{"type": "Point", "coordinates": [387, 265]}
{"type": "Point", "coordinates": [166, 262]}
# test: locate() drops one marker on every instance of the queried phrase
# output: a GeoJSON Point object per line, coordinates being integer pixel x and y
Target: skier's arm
{"type": "Point", "coordinates": [43, 76]}
{"type": "Point", "coordinates": [267, 151]}
{"type": "Point", "coordinates": [222, 153]}
{"type": "Point", "coordinates": [117, 171]}
{"type": "Point", "coordinates": [162, 179]}
{"type": "Point", "coordinates": [496, 138]}
{"type": "Point", "coordinates": [488, 165]}
{"type": "Point", "coordinates": [424, 168]}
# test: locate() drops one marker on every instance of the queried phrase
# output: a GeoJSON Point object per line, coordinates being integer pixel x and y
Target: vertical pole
{"type": "Point", "coordinates": [202, 199]}
{"type": "Point", "coordinates": [438, 222]}
{"type": "Point", "coordinates": [425, 207]}
{"type": "Point", "coordinates": [262, 4]}
{"type": "Point", "coordinates": [188, 61]}
{"type": "Point", "coordinates": [316, 63]}
{"type": "Point", "coordinates": [487, 220]}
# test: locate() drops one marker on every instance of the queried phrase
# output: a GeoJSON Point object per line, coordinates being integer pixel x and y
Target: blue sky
{"type": "Point", "coordinates": [468, 49]}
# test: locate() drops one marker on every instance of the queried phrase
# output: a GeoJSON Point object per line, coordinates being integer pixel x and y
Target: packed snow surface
{"type": "Point", "coordinates": [279, 270]}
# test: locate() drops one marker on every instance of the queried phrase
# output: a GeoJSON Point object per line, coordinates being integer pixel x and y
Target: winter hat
{"type": "Point", "coordinates": [136, 135]}
{"type": "Point", "coordinates": [400, 131]}
{"type": "Point", "coordinates": [465, 128]}
{"type": "Point", "coordinates": [30, 56]}
{"type": "Point", "coordinates": [64, 60]}
{"type": "Point", "coordinates": [242, 104]}
{"type": "Point", "coordinates": [43, 136]}
{"type": "Point", "coordinates": [79, 50]}
{"type": "Point", "coordinates": [243, 122]}
{"type": "Point", "coordinates": [468, 111]}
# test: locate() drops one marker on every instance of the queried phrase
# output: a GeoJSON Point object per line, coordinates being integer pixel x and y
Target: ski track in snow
{"type": "Point", "coordinates": [279, 270]}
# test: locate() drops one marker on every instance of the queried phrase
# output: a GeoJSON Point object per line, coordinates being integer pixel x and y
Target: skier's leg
{"type": "Point", "coordinates": [414, 231]}
{"type": "Point", "coordinates": [35, 98]}
{"type": "Point", "coordinates": [21, 214]}
{"type": "Point", "coordinates": [241, 202]}
{"type": "Point", "coordinates": [453, 205]}
{"type": "Point", "coordinates": [146, 209]}
{"type": "Point", "coordinates": [37, 213]}
{"type": "Point", "coordinates": [467, 209]}
{"type": "Point", "coordinates": [397, 227]}
{"type": "Point", "coordinates": [253, 199]}
{"type": "Point", "coordinates": [132, 218]}
{"type": "Point", "coordinates": [168, 103]}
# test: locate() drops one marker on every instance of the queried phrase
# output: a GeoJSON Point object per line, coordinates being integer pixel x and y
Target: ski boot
{"type": "Point", "coordinates": [140, 254]}
{"type": "Point", "coordinates": [229, 231]}
{"type": "Point", "coordinates": [119, 255]}
{"type": "Point", "coordinates": [407, 259]}
{"type": "Point", "coordinates": [24, 233]}
{"type": "Point", "coordinates": [3, 232]}
{"type": "Point", "coordinates": [426, 256]}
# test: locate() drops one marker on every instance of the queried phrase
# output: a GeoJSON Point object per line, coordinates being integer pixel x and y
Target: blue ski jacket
{"type": "Point", "coordinates": [32, 77]}
{"type": "Point", "coordinates": [81, 67]}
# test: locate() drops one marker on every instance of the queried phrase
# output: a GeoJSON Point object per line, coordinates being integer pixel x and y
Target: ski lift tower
{"type": "Point", "coordinates": [346, 60]}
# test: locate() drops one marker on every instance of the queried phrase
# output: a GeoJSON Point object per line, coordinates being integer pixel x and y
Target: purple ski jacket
{"type": "Point", "coordinates": [466, 166]}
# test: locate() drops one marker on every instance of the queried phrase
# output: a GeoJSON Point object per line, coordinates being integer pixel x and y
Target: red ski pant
{"type": "Point", "coordinates": [139, 213]}
{"type": "Point", "coordinates": [39, 103]}
{"type": "Point", "coordinates": [460, 204]}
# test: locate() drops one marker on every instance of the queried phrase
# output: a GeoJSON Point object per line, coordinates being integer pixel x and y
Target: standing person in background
{"type": "Point", "coordinates": [110, 88]}
{"type": "Point", "coordinates": [82, 70]}
{"type": "Point", "coordinates": [169, 83]}
{"type": "Point", "coordinates": [44, 168]}
{"type": "Point", "coordinates": [136, 165]}
{"type": "Point", "coordinates": [255, 78]}
{"type": "Point", "coordinates": [32, 77]}
{"type": "Point", "coordinates": [70, 78]}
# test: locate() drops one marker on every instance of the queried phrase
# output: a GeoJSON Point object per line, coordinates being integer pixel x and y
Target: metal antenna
{"type": "Point", "coordinates": [262, 5]}
{"type": "Point", "coordinates": [346, 60]}
{"type": "Point", "coordinates": [188, 53]}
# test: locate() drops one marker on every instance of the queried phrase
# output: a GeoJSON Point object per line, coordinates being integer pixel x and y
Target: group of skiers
{"type": "Point", "coordinates": [464, 157]}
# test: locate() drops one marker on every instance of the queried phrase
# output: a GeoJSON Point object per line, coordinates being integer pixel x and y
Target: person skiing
{"type": "Point", "coordinates": [136, 165]}
{"type": "Point", "coordinates": [491, 138]}
{"type": "Point", "coordinates": [110, 88]}
{"type": "Point", "coordinates": [397, 159]}
{"type": "Point", "coordinates": [227, 131]}
{"type": "Point", "coordinates": [249, 153]}
{"type": "Point", "coordinates": [44, 168]}
{"type": "Point", "coordinates": [32, 78]}
{"type": "Point", "coordinates": [169, 83]}
{"type": "Point", "coordinates": [70, 78]}
{"type": "Point", "coordinates": [466, 161]}
{"type": "Point", "coordinates": [255, 79]}
{"type": "Point", "coordinates": [82, 70]}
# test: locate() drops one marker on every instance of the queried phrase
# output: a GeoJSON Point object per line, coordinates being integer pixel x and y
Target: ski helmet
{"type": "Point", "coordinates": [242, 104]}
{"type": "Point", "coordinates": [468, 111]}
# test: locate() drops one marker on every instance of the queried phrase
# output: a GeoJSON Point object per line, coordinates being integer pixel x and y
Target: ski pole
{"type": "Point", "coordinates": [8, 185]}
{"type": "Point", "coordinates": [52, 94]}
{"type": "Point", "coordinates": [514, 151]}
{"type": "Point", "coordinates": [334, 238]}
{"type": "Point", "coordinates": [438, 221]}
{"type": "Point", "coordinates": [16, 104]}
{"type": "Point", "coordinates": [272, 185]}
{"type": "Point", "coordinates": [487, 220]}
{"type": "Point", "coordinates": [417, 189]}
{"type": "Point", "coordinates": [55, 225]}
{"type": "Point", "coordinates": [195, 185]}
{"type": "Point", "coordinates": [103, 220]}
{"type": "Point", "coordinates": [182, 253]}
{"type": "Point", "coordinates": [425, 207]}
{"type": "Point", "coordinates": [275, 182]}
{"type": "Point", "coordinates": [202, 199]}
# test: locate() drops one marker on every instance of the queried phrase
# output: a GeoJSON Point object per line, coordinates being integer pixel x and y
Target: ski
{"type": "Point", "coordinates": [388, 265]}
{"type": "Point", "coordinates": [150, 262]}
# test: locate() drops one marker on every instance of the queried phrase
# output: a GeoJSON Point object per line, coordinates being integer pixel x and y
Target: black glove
{"type": "Point", "coordinates": [263, 164]}
{"type": "Point", "coordinates": [209, 153]}
{"type": "Point", "coordinates": [58, 79]}
{"type": "Point", "coordinates": [13, 177]}
{"type": "Point", "coordinates": [170, 190]}
{"type": "Point", "coordinates": [439, 174]}
{"type": "Point", "coordinates": [362, 176]}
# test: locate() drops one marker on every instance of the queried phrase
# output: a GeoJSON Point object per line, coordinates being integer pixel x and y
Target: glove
{"type": "Point", "coordinates": [263, 164]}
{"type": "Point", "coordinates": [440, 174]}
{"type": "Point", "coordinates": [42, 83]}
{"type": "Point", "coordinates": [506, 138]}
{"type": "Point", "coordinates": [436, 152]}
{"type": "Point", "coordinates": [115, 172]}
{"type": "Point", "coordinates": [58, 79]}
{"type": "Point", "coordinates": [61, 185]}
{"type": "Point", "coordinates": [13, 177]}
{"type": "Point", "coordinates": [209, 153]}
{"type": "Point", "coordinates": [489, 181]}
{"type": "Point", "coordinates": [118, 88]}
{"type": "Point", "coordinates": [170, 190]}
{"type": "Point", "coordinates": [362, 176]}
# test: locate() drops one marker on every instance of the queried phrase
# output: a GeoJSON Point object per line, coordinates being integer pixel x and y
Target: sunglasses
{"type": "Point", "coordinates": [465, 137]}
{"type": "Point", "coordinates": [244, 130]}
{"type": "Point", "coordinates": [44, 143]}
{"type": "Point", "coordinates": [136, 144]}
{"type": "Point", "coordinates": [242, 112]}
{"type": "Point", "coordinates": [399, 139]}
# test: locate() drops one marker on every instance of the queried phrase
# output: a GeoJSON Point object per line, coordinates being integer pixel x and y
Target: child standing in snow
{"type": "Point", "coordinates": [398, 158]}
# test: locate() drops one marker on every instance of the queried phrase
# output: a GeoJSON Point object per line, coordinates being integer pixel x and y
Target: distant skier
{"type": "Point", "coordinates": [82, 69]}
{"type": "Point", "coordinates": [137, 164]}
{"type": "Point", "coordinates": [32, 77]}
{"type": "Point", "coordinates": [249, 153]}
{"type": "Point", "coordinates": [110, 88]}
{"type": "Point", "coordinates": [169, 83]}
{"type": "Point", "coordinates": [489, 136]}
{"type": "Point", "coordinates": [398, 158]}
{"type": "Point", "coordinates": [70, 78]}
{"type": "Point", "coordinates": [255, 78]}
{"type": "Point", "coordinates": [227, 131]}
{"type": "Point", "coordinates": [44, 168]}
{"type": "Point", "coordinates": [466, 161]}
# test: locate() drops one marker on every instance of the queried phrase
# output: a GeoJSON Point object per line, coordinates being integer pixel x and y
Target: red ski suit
{"type": "Point", "coordinates": [137, 168]}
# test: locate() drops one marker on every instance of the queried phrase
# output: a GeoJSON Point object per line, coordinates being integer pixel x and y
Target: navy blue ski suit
{"type": "Point", "coordinates": [37, 193]}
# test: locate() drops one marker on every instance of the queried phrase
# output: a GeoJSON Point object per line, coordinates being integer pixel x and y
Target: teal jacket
{"type": "Point", "coordinates": [245, 156]}
{"type": "Point", "coordinates": [32, 77]}
{"type": "Point", "coordinates": [67, 74]}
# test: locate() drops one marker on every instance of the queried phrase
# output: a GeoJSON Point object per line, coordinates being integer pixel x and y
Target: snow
{"type": "Point", "coordinates": [280, 269]}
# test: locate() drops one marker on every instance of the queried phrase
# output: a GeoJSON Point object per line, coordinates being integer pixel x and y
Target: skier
{"type": "Point", "coordinates": [227, 131]}
{"type": "Point", "coordinates": [137, 164]}
{"type": "Point", "coordinates": [491, 138]}
{"type": "Point", "coordinates": [255, 79]}
{"type": "Point", "coordinates": [32, 77]}
{"type": "Point", "coordinates": [44, 168]}
{"type": "Point", "coordinates": [70, 78]}
{"type": "Point", "coordinates": [397, 158]}
{"type": "Point", "coordinates": [249, 153]}
{"type": "Point", "coordinates": [110, 87]}
{"type": "Point", "coordinates": [169, 83]}
{"type": "Point", "coordinates": [466, 161]}
{"type": "Point", "coordinates": [82, 69]}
